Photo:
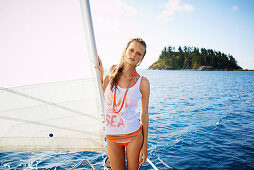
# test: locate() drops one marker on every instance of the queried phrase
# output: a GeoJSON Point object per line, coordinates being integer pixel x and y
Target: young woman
{"type": "Point", "coordinates": [123, 88]}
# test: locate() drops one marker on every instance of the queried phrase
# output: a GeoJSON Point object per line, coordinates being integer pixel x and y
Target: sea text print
{"type": "Point", "coordinates": [113, 119]}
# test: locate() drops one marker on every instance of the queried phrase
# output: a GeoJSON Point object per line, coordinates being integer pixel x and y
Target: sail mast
{"type": "Point", "coordinates": [91, 44]}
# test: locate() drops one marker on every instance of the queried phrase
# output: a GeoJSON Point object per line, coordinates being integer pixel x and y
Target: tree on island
{"type": "Point", "coordinates": [193, 58]}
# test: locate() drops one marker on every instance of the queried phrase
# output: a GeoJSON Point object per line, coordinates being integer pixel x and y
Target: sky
{"type": "Point", "coordinates": [44, 40]}
{"type": "Point", "coordinates": [225, 26]}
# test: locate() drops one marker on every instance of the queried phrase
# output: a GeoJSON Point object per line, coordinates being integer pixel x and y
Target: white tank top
{"type": "Point", "coordinates": [126, 121]}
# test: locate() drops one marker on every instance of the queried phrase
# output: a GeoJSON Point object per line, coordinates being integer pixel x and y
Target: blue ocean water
{"type": "Point", "coordinates": [198, 120]}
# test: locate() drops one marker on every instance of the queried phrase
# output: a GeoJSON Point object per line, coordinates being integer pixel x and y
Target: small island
{"type": "Point", "coordinates": [191, 58]}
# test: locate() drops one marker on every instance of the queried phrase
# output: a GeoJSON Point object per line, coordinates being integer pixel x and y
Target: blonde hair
{"type": "Point", "coordinates": [118, 70]}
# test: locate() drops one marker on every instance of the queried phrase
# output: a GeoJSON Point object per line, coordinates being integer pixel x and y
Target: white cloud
{"type": "Point", "coordinates": [235, 8]}
{"type": "Point", "coordinates": [173, 6]}
{"type": "Point", "coordinates": [112, 8]}
{"type": "Point", "coordinates": [124, 9]}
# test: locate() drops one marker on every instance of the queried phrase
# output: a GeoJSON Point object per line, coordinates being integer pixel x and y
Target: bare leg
{"type": "Point", "coordinates": [116, 155]}
{"type": "Point", "coordinates": [132, 151]}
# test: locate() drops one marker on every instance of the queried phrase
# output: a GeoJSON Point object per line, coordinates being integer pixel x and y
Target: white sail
{"type": "Point", "coordinates": [50, 94]}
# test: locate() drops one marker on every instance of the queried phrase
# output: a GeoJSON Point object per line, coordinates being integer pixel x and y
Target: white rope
{"type": "Point", "coordinates": [150, 162]}
{"type": "Point", "coordinates": [165, 164]}
{"type": "Point", "coordinates": [77, 165]}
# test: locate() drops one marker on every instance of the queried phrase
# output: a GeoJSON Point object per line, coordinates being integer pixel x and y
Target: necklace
{"type": "Point", "coordinates": [114, 102]}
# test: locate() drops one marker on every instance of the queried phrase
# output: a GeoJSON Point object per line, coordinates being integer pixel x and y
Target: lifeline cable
{"type": "Point", "coordinates": [78, 164]}
{"type": "Point", "coordinates": [165, 164]}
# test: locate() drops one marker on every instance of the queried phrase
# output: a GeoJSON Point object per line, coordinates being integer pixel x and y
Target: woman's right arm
{"type": "Point", "coordinates": [106, 80]}
{"type": "Point", "coordinates": [101, 69]}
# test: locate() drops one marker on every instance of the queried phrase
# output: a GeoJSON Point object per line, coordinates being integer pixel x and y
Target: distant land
{"type": "Point", "coordinates": [191, 58]}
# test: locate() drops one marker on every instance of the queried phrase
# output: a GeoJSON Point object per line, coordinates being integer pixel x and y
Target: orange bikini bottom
{"type": "Point", "coordinates": [124, 140]}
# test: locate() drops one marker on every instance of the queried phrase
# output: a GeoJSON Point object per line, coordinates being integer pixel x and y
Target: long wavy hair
{"type": "Point", "coordinates": [118, 70]}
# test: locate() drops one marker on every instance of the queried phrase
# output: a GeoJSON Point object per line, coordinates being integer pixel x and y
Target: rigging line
{"type": "Point", "coordinates": [57, 82]}
{"type": "Point", "coordinates": [165, 164]}
{"type": "Point", "coordinates": [47, 102]}
{"type": "Point", "coordinates": [48, 125]}
{"type": "Point", "coordinates": [78, 164]}
{"type": "Point", "coordinates": [150, 162]}
{"type": "Point", "coordinates": [41, 105]}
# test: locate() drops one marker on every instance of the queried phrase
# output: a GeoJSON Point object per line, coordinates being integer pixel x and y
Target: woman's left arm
{"type": "Point", "coordinates": [145, 91]}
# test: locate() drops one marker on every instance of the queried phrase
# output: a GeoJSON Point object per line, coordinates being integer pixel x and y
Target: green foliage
{"type": "Point", "coordinates": [193, 58]}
